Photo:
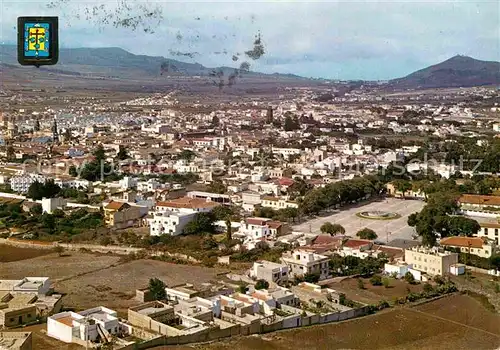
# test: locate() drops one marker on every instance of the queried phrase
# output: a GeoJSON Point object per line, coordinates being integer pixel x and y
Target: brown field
{"type": "Point", "coordinates": [90, 280]}
{"type": "Point", "coordinates": [55, 267]}
{"type": "Point", "coordinates": [114, 287]}
{"type": "Point", "coordinates": [441, 327]}
{"type": "Point", "coordinates": [9, 253]}
{"type": "Point", "coordinates": [373, 294]}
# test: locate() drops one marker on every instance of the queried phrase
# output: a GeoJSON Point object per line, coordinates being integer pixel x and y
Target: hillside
{"type": "Point", "coordinates": [120, 64]}
{"type": "Point", "coordinates": [458, 71]}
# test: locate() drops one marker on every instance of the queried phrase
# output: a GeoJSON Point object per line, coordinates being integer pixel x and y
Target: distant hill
{"type": "Point", "coordinates": [117, 63]}
{"type": "Point", "coordinates": [458, 71]}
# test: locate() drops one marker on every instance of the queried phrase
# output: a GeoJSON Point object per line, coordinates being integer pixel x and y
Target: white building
{"type": "Point", "coordinates": [89, 325]}
{"type": "Point", "coordinates": [128, 182]}
{"type": "Point", "coordinates": [399, 268]}
{"type": "Point", "coordinates": [432, 261]}
{"type": "Point", "coordinates": [303, 261]}
{"type": "Point", "coordinates": [254, 229]}
{"type": "Point", "coordinates": [491, 231]}
{"type": "Point", "coordinates": [73, 183]}
{"type": "Point", "coordinates": [171, 217]}
{"type": "Point", "coordinates": [51, 204]}
{"type": "Point", "coordinates": [269, 271]}
{"type": "Point", "coordinates": [148, 186]}
{"type": "Point", "coordinates": [22, 183]}
{"type": "Point", "coordinates": [168, 222]}
{"type": "Point", "coordinates": [278, 203]}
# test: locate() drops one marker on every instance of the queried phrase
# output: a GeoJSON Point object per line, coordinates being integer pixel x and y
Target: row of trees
{"type": "Point", "coordinates": [340, 193]}
{"type": "Point", "coordinates": [436, 219]}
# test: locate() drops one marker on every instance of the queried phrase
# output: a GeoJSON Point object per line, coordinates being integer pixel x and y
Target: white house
{"type": "Point", "coordinates": [303, 261]}
{"type": "Point", "coordinates": [168, 222]}
{"type": "Point", "coordinates": [253, 229]}
{"type": "Point", "coordinates": [89, 325]}
{"type": "Point", "coordinates": [22, 183]}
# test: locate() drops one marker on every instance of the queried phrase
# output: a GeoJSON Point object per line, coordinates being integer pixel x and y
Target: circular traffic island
{"type": "Point", "coordinates": [378, 215]}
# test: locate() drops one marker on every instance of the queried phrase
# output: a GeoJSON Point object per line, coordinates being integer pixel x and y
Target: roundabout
{"type": "Point", "coordinates": [378, 215]}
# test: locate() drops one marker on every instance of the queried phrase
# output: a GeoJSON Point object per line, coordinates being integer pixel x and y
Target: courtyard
{"type": "Point", "coordinates": [386, 230]}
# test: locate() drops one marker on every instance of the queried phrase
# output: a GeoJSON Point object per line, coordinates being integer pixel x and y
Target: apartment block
{"type": "Point", "coordinates": [430, 260]}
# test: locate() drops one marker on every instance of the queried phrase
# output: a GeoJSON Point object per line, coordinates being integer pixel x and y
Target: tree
{"type": "Point", "coordinates": [187, 155]}
{"type": "Point", "coordinates": [462, 226]}
{"type": "Point", "coordinates": [215, 121]}
{"type": "Point", "coordinates": [428, 288]}
{"type": "Point", "coordinates": [229, 230]}
{"type": "Point", "coordinates": [36, 210]}
{"type": "Point", "coordinates": [37, 125]}
{"type": "Point", "coordinates": [367, 233]}
{"type": "Point", "coordinates": [261, 284]}
{"type": "Point", "coordinates": [412, 219]}
{"type": "Point", "coordinates": [201, 223]}
{"type": "Point", "coordinates": [376, 280]}
{"type": "Point", "coordinates": [311, 277]}
{"type": "Point", "coordinates": [402, 186]}
{"type": "Point", "coordinates": [38, 190]}
{"type": "Point", "coordinates": [291, 123]}
{"type": "Point", "coordinates": [327, 227]}
{"type": "Point", "coordinates": [72, 171]}
{"type": "Point", "coordinates": [49, 222]}
{"type": "Point", "coordinates": [99, 154]}
{"type": "Point", "coordinates": [122, 153]}
{"type": "Point", "coordinates": [409, 278]}
{"type": "Point", "coordinates": [332, 229]}
{"type": "Point", "coordinates": [495, 261]}
{"type": "Point", "coordinates": [361, 285]}
{"type": "Point", "coordinates": [386, 282]}
{"type": "Point", "coordinates": [217, 186]}
{"type": "Point", "coordinates": [157, 289]}
{"type": "Point", "coordinates": [242, 289]}
{"type": "Point", "coordinates": [11, 153]}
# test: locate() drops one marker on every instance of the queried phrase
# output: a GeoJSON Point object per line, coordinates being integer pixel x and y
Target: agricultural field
{"type": "Point", "coordinates": [435, 325]}
{"type": "Point", "coordinates": [373, 294]}
{"type": "Point", "coordinates": [10, 253]}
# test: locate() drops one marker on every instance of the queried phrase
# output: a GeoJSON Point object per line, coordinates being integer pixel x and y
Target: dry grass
{"type": "Point", "coordinates": [373, 294]}
{"type": "Point", "coordinates": [10, 253]}
{"type": "Point", "coordinates": [55, 267]}
{"type": "Point", "coordinates": [397, 329]}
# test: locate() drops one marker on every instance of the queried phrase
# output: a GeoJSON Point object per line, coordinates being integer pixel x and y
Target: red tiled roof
{"type": "Point", "coordinates": [326, 239]}
{"type": "Point", "coordinates": [113, 205]}
{"type": "Point", "coordinates": [274, 224]}
{"type": "Point", "coordinates": [477, 199]}
{"type": "Point", "coordinates": [256, 221]}
{"type": "Point", "coordinates": [285, 181]}
{"type": "Point", "coordinates": [188, 203]}
{"type": "Point", "coordinates": [356, 243]}
{"type": "Point", "coordinates": [473, 242]}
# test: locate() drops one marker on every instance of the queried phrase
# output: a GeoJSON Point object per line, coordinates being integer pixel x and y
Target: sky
{"type": "Point", "coordinates": [370, 40]}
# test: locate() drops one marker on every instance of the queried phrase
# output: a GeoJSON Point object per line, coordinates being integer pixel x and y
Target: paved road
{"type": "Point", "coordinates": [385, 229]}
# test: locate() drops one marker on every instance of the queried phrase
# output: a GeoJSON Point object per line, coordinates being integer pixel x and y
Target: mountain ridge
{"type": "Point", "coordinates": [117, 63]}
{"type": "Point", "coordinates": [457, 71]}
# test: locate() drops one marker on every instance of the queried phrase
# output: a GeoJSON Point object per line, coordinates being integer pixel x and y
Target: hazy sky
{"type": "Point", "coordinates": [334, 39]}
